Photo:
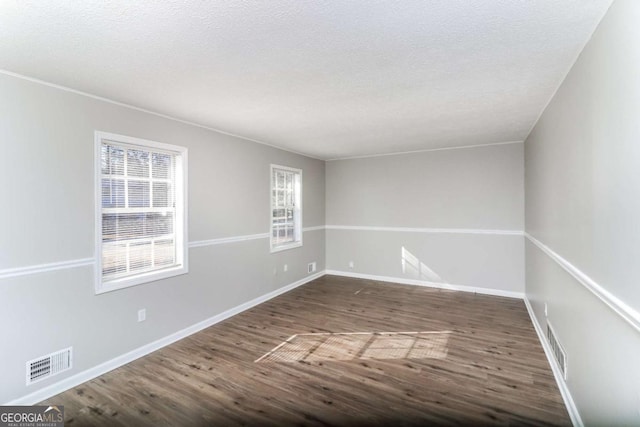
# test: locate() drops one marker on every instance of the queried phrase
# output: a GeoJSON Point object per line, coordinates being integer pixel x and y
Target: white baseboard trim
{"type": "Point", "coordinates": [103, 368]}
{"type": "Point", "coordinates": [448, 286]}
{"type": "Point", "coordinates": [557, 373]}
{"type": "Point", "coordinates": [562, 385]}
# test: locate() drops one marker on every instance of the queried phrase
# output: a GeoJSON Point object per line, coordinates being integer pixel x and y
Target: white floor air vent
{"type": "Point", "coordinates": [558, 351]}
{"type": "Point", "coordinates": [49, 365]}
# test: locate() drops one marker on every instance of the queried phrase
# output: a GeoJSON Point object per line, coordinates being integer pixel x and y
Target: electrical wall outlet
{"type": "Point", "coordinates": [311, 267]}
{"type": "Point", "coordinates": [285, 268]}
{"type": "Point", "coordinates": [351, 265]}
{"type": "Point", "coordinates": [546, 312]}
{"type": "Point", "coordinates": [142, 315]}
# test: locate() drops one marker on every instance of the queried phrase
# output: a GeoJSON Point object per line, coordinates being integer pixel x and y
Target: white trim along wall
{"type": "Point", "coordinates": [144, 110]}
{"type": "Point", "coordinates": [103, 368]}
{"type": "Point", "coordinates": [557, 372]}
{"type": "Point", "coordinates": [48, 255]}
{"type": "Point", "coordinates": [631, 316]}
{"type": "Point", "coordinates": [75, 263]}
{"type": "Point", "coordinates": [581, 186]}
{"type": "Point", "coordinates": [445, 286]}
{"type": "Point", "coordinates": [627, 313]}
{"type": "Point", "coordinates": [427, 230]}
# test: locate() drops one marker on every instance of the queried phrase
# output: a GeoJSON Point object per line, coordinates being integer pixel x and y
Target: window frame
{"type": "Point", "coordinates": [297, 226]}
{"type": "Point", "coordinates": [180, 221]}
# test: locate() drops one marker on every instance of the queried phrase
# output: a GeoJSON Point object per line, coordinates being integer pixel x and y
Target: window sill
{"type": "Point", "coordinates": [285, 247]}
{"type": "Point", "coordinates": [140, 279]}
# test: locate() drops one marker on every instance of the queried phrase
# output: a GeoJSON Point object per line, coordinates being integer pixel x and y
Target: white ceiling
{"type": "Point", "coordinates": [330, 79]}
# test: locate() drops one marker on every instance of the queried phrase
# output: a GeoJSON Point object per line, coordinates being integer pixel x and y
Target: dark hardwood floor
{"type": "Point", "coordinates": [364, 353]}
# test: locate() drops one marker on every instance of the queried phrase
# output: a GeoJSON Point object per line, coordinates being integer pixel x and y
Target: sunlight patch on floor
{"type": "Point", "coordinates": [360, 345]}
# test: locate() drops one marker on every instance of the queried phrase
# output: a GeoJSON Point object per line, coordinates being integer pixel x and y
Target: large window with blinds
{"type": "Point", "coordinates": [286, 208]}
{"type": "Point", "coordinates": [141, 215]}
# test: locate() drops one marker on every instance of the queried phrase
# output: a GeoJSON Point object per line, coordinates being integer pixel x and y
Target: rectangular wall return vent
{"type": "Point", "coordinates": [311, 267]}
{"type": "Point", "coordinates": [558, 351]}
{"type": "Point", "coordinates": [49, 365]}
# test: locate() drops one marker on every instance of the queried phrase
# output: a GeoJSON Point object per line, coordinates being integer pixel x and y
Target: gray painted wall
{"type": "Point", "coordinates": [46, 168]}
{"type": "Point", "coordinates": [582, 185]}
{"type": "Point", "coordinates": [477, 189]}
{"type": "Point", "coordinates": [581, 163]}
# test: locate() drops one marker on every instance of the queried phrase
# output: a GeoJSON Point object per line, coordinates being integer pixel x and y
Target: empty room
{"type": "Point", "coordinates": [306, 212]}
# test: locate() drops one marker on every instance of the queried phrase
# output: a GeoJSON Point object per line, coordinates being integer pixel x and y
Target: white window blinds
{"type": "Point", "coordinates": [141, 224]}
{"type": "Point", "coordinates": [286, 213]}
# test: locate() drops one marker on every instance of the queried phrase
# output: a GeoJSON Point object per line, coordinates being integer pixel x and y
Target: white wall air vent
{"type": "Point", "coordinates": [558, 351]}
{"type": "Point", "coordinates": [49, 365]}
{"type": "Point", "coordinates": [311, 267]}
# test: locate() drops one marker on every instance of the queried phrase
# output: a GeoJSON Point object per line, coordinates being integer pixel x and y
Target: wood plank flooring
{"type": "Point", "coordinates": [491, 369]}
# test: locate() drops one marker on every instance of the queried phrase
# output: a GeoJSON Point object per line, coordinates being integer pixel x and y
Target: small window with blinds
{"type": "Point", "coordinates": [286, 208]}
{"type": "Point", "coordinates": [141, 213]}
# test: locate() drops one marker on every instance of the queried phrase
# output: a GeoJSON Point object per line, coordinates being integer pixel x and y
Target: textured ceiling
{"type": "Point", "coordinates": [328, 78]}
